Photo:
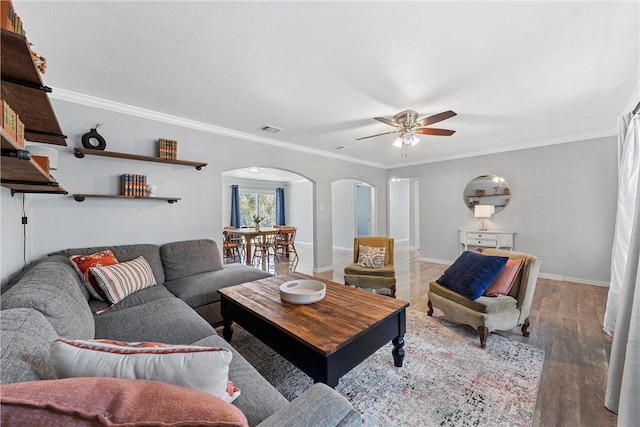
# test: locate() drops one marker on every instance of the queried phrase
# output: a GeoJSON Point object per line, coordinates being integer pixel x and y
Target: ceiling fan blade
{"type": "Point", "coordinates": [434, 131]}
{"type": "Point", "coordinates": [387, 121]}
{"type": "Point", "coordinates": [386, 133]}
{"type": "Point", "coordinates": [436, 118]}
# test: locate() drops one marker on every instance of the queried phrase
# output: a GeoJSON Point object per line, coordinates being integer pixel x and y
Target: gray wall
{"type": "Point", "coordinates": [57, 222]}
{"type": "Point", "coordinates": [563, 204]}
{"type": "Point", "coordinates": [562, 207]}
{"type": "Point", "coordinates": [299, 205]}
{"type": "Point", "coordinates": [343, 213]}
{"type": "Point", "coordinates": [399, 209]}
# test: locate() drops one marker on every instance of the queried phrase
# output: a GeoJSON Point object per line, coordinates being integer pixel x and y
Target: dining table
{"type": "Point", "coordinates": [250, 233]}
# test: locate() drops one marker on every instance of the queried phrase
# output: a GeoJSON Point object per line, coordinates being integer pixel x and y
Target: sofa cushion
{"type": "Point", "coordinates": [113, 401]}
{"type": "Point", "coordinates": [24, 347]}
{"type": "Point", "coordinates": [201, 289]}
{"type": "Point", "coordinates": [480, 305]}
{"type": "Point", "coordinates": [123, 253]}
{"type": "Point", "coordinates": [167, 320]}
{"type": "Point", "coordinates": [82, 263]}
{"type": "Point", "coordinates": [54, 289]}
{"type": "Point", "coordinates": [143, 296]}
{"type": "Point", "coordinates": [189, 257]}
{"type": "Point", "coordinates": [386, 271]}
{"type": "Point", "coordinates": [472, 273]}
{"type": "Point", "coordinates": [200, 368]}
{"type": "Point", "coordinates": [123, 279]}
{"type": "Point", "coordinates": [255, 388]}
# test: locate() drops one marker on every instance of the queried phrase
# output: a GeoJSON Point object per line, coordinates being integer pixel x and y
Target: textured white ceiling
{"type": "Point", "coordinates": [517, 73]}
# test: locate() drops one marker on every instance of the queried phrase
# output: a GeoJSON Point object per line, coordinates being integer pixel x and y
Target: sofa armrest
{"type": "Point", "coordinates": [320, 405]}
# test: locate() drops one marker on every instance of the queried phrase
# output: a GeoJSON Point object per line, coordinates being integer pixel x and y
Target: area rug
{"type": "Point", "coordinates": [446, 379]}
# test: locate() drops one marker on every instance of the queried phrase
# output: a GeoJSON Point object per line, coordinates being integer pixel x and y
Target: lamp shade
{"type": "Point", "coordinates": [483, 211]}
{"type": "Point", "coordinates": [51, 153]}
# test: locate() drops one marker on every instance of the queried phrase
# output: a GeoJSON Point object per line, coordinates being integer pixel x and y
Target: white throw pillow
{"type": "Point", "coordinates": [200, 368]}
{"type": "Point", "coordinates": [371, 257]}
{"type": "Point", "coordinates": [120, 280]}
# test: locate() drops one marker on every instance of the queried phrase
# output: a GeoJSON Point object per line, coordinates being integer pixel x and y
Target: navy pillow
{"type": "Point", "coordinates": [472, 273]}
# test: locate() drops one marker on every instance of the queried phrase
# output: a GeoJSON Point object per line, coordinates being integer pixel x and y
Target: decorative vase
{"type": "Point", "coordinates": [257, 226]}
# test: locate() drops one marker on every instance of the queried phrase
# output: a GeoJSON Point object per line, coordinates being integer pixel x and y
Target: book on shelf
{"type": "Point", "coordinates": [9, 121]}
{"type": "Point", "coordinates": [9, 19]}
{"type": "Point", "coordinates": [167, 148]}
{"type": "Point", "coordinates": [133, 185]}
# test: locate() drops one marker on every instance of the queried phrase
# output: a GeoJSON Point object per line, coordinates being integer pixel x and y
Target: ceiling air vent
{"type": "Point", "coordinates": [269, 129]}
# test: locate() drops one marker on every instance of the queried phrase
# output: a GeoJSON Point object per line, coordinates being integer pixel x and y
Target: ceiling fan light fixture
{"type": "Point", "coordinates": [398, 142]}
{"type": "Point", "coordinates": [414, 140]}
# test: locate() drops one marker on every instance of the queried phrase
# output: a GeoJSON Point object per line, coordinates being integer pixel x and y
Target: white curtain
{"type": "Point", "coordinates": [628, 165]}
{"type": "Point", "coordinates": [623, 380]}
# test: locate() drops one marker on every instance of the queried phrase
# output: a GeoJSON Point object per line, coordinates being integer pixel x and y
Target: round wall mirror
{"type": "Point", "coordinates": [487, 190]}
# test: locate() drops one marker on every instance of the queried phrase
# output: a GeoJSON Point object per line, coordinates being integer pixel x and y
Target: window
{"type": "Point", "coordinates": [257, 203]}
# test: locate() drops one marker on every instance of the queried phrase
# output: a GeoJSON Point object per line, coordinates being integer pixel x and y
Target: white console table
{"type": "Point", "coordinates": [486, 239]}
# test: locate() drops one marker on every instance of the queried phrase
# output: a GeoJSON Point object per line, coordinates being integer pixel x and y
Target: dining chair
{"type": "Point", "coordinates": [231, 249]}
{"type": "Point", "coordinates": [235, 238]}
{"type": "Point", "coordinates": [285, 241]}
{"type": "Point", "coordinates": [264, 248]}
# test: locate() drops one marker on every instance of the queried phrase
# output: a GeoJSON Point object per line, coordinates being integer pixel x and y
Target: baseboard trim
{"type": "Point", "coordinates": [436, 261]}
{"type": "Point", "coordinates": [322, 269]}
{"type": "Point", "coordinates": [561, 278]}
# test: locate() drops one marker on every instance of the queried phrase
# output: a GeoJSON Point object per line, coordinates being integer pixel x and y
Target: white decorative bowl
{"type": "Point", "coordinates": [302, 291]}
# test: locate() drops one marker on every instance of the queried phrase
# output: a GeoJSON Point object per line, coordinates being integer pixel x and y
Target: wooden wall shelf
{"type": "Point", "coordinates": [82, 197]}
{"type": "Point", "coordinates": [80, 152]}
{"type": "Point", "coordinates": [23, 89]}
{"type": "Point", "coordinates": [24, 176]}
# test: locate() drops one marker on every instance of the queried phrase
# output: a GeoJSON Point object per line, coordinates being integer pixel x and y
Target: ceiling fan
{"type": "Point", "coordinates": [408, 125]}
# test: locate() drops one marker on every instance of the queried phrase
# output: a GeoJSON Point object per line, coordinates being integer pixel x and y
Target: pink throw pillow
{"type": "Point", "coordinates": [112, 401]}
{"type": "Point", "coordinates": [504, 282]}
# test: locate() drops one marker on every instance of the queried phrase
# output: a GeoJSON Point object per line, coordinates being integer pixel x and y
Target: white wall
{"type": "Point", "coordinates": [343, 213]}
{"type": "Point", "coordinates": [399, 209]}
{"type": "Point", "coordinates": [562, 207]}
{"type": "Point", "coordinates": [58, 222]}
{"type": "Point", "coordinates": [299, 205]}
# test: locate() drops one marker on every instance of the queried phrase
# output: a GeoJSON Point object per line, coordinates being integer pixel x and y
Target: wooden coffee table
{"type": "Point", "coordinates": [325, 339]}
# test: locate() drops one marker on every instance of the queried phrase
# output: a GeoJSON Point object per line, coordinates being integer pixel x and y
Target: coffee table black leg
{"type": "Point", "coordinates": [227, 332]}
{"type": "Point", "coordinates": [398, 350]}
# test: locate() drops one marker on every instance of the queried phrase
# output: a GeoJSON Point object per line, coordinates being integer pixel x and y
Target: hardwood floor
{"type": "Point", "coordinates": [566, 320]}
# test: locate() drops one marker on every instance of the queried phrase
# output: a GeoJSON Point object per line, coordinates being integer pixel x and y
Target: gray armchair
{"type": "Point", "coordinates": [488, 314]}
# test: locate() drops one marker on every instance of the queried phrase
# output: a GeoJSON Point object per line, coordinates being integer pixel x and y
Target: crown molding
{"type": "Point", "coordinates": [117, 107]}
{"type": "Point", "coordinates": [515, 147]}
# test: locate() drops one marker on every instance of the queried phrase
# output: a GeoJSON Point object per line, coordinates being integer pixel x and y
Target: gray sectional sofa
{"type": "Point", "coordinates": [48, 300]}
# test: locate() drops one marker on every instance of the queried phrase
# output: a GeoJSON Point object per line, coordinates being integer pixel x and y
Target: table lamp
{"type": "Point", "coordinates": [483, 211]}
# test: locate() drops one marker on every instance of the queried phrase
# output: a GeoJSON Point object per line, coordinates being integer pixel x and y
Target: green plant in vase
{"type": "Point", "coordinates": [257, 220]}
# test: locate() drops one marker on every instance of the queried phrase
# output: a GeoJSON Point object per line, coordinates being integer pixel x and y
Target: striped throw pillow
{"type": "Point", "coordinates": [119, 280]}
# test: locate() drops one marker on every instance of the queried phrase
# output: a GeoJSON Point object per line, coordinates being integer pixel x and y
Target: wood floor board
{"type": "Point", "coordinates": [566, 321]}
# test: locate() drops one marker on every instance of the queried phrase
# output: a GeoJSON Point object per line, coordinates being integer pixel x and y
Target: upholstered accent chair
{"type": "Point", "coordinates": [487, 314]}
{"type": "Point", "coordinates": [381, 280]}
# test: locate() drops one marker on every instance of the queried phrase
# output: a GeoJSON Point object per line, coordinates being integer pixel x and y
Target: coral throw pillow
{"type": "Point", "coordinates": [112, 401]}
{"type": "Point", "coordinates": [371, 257]}
{"type": "Point", "coordinates": [120, 280]}
{"type": "Point", "coordinates": [82, 263]}
{"type": "Point", "coordinates": [200, 368]}
{"type": "Point", "coordinates": [504, 282]}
